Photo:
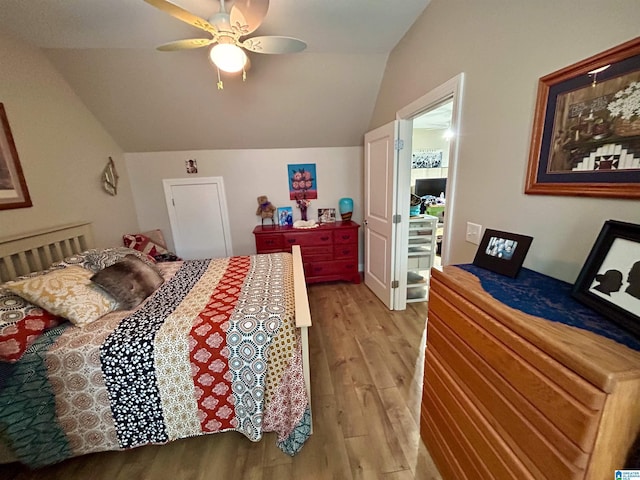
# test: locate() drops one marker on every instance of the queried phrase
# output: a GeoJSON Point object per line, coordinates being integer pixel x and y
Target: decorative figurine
{"type": "Point", "coordinates": [265, 209]}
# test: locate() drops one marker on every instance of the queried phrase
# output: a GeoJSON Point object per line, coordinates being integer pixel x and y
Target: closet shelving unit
{"type": "Point", "coordinates": [421, 256]}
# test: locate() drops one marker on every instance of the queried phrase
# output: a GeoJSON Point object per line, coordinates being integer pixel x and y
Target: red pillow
{"type": "Point", "coordinates": [21, 323]}
{"type": "Point", "coordinates": [144, 244]}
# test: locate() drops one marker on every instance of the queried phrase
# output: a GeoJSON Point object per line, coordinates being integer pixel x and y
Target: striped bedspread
{"type": "Point", "coordinates": [213, 349]}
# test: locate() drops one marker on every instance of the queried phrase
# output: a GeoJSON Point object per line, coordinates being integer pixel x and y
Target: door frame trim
{"type": "Point", "coordinates": [452, 88]}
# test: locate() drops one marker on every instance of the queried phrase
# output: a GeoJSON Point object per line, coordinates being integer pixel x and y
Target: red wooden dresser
{"type": "Point", "coordinates": [329, 252]}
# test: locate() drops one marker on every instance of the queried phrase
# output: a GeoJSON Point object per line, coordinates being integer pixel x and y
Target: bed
{"type": "Point", "coordinates": [221, 345]}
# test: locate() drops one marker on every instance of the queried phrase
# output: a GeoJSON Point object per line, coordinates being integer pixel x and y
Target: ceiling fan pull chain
{"type": "Point", "coordinates": [244, 75]}
{"type": "Point", "coordinates": [220, 84]}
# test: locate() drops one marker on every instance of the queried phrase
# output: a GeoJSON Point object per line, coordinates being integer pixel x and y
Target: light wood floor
{"type": "Point", "coordinates": [366, 368]}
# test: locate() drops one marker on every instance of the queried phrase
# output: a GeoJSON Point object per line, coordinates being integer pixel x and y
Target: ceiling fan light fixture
{"type": "Point", "coordinates": [228, 57]}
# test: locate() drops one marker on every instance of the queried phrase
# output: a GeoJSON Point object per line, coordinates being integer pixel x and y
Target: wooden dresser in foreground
{"type": "Point", "coordinates": [329, 252]}
{"type": "Point", "coordinates": [511, 395]}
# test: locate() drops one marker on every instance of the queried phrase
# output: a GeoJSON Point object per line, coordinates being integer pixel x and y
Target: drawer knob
{"type": "Point", "coordinates": [346, 237]}
{"type": "Point", "coordinates": [291, 240]}
{"type": "Point", "coordinates": [324, 238]}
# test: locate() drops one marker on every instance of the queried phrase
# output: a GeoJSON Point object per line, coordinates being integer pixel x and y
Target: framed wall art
{"type": "Point", "coordinates": [13, 187]}
{"type": "Point", "coordinates": [426, 158]}
{"type": "Point", "coordinates": [502, 252]}
{"type": "Point", "coordinates": [303, 183]}
{"type": "Point", "coordinates": [586, 129]}
{"type": "Point", "coordinates": [110, 178]}
{"type": "Point", "coordinates": [609, 281]}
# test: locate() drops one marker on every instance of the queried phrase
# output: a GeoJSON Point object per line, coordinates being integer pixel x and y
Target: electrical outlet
{"type": "Point", "coordinates": [473, 233]}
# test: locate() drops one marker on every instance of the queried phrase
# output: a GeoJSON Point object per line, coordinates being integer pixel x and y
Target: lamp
{"type": "Point", "coordinates": [228, 57]}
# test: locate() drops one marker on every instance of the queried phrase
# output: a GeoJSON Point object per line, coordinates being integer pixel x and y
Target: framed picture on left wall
{"type": "Point", "coordinates": [13, 187]}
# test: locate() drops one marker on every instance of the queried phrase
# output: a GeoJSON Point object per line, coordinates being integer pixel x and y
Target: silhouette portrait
{"type": "Point", "coordinates": [633, 279]}
{"type": "Point", "coordinates": [609, 281]}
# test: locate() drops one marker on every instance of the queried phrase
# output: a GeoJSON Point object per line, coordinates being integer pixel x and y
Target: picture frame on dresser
{"type": "Point", "coordinates": [502, 252]}
{"type": "Point", "coordinates": [586, 128]}
{"type": "Point", "coordinates": [609, 281]}
{"type": "Point", "coordinates": [285, 216]}
{"type": "Point", "coordinates": [326, 215]}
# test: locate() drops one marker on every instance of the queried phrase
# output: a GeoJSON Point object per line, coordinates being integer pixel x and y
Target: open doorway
{"type": "Point", "coordinates": [430, 167]}
{"type": "Point", "coordinates": [423, 126]}
{"type": "Point", "coordinates": [388, 226]}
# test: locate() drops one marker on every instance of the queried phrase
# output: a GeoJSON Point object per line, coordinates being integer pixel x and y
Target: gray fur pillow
{"type": "Point", "coordinates": [129, 281]}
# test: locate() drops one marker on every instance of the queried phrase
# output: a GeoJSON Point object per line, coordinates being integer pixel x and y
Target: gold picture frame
{"type": "Point", "coordinates": [13, 187]}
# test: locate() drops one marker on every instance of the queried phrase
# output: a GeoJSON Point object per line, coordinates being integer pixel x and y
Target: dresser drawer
{"type": "Point", "coordinates": [269, 243]}
{"type": "Point", "coordinates": [475, 445]}
{"type": "Point", "coordinates": [534, 439]}
{"type": "Point", "coordinates": [315, 253]}
{"type": "Point", "coordinates": [349, 235]}
{"type": "Point", "coordinates": [307, 238]}
{"type": "Point", "coordinates": [567, 409]}
{"type": "Point", "coordinates": [345, 251]}
{"type": "Point", "coordinates": [318, 269]}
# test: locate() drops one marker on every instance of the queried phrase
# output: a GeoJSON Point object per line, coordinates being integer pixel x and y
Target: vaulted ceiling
{"type": "Point", "coordinates": [156, 101]}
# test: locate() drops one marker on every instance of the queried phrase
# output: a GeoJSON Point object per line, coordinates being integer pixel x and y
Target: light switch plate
{"type": "Point", "coordinates": [473, 233]}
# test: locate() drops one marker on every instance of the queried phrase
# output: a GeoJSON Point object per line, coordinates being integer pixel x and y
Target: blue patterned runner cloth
{"type": "Point", "coordinates": [545, 297]}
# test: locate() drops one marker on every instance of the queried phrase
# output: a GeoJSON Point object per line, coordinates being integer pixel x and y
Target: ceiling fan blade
{"type": "Point", "coordinates": [274, 44]}
{"type": "Point", "coordinates": [182, 14]}
{"type": "Point", "coordinates": [247, 15]}
{"type": "Point", "coordinates": [185, 44]}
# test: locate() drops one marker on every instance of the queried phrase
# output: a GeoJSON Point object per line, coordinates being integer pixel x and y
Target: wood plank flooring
{"type": "Point", "coordinates": [366, 373]}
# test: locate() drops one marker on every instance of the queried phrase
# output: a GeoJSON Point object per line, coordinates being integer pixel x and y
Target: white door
{"type": "Point", "coordinates": [380, 206]}
{"type": "Point", "coordinates": [198, 216]}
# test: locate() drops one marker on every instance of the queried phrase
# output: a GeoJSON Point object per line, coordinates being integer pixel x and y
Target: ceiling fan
{"type": "Point", "coordinates": [226, 30]}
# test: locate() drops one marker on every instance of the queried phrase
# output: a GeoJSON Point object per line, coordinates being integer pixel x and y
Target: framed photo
{"type": "Point", "coordinates": [326, 215]}
{"type": "Point", "coordinates": [502, 252]}
{"type": "Point", "coordinates": [609, 281]}
{"type": "Point", "coordinates": [13, 187]}
{"type": "Point", "coordinates": [191, 165]}
{"type": "Point", "coordinates": [285, 216]}
{"type": "Point", "coordinates": [586, 128]}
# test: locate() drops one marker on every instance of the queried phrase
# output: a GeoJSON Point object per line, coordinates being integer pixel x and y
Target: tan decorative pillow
{"type": "Point", "coordinates": [67, 292]}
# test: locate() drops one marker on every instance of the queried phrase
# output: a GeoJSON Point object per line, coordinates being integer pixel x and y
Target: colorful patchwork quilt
{"type": "Point", "coordinates": [215, 348]}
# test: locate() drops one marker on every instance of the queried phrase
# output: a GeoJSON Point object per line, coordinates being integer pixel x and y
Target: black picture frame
{"type": "Point", "coordinates": [582, 143]}
{"type": "Point", "coordinates": [609, 281]}
{"type": "Point", "coordinates": [502, 252]}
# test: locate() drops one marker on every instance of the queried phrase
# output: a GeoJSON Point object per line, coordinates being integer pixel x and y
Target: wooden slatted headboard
{"type": "Point", "coordinates": [34, 251]}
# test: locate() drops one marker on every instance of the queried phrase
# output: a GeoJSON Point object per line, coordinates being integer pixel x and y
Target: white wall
{"type": "Point", "coordinates": [504, 47]}
{"type": "Point", "coordinates": [62, 150]}
{"type": "Point", "coordinates": [247, 174]}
